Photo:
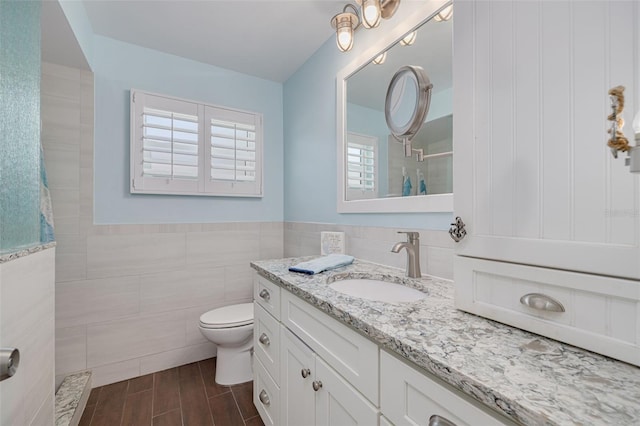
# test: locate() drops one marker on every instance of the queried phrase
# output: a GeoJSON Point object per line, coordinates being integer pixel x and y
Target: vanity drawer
{"type": "Point", "coordinates": [267, 294]}
{"type": "Point", "coordinates": [409, 397]}
{"type": "Point", "coordinates": [266, 341]}
{"type": "Point", "coordinates": [601, 314]}
{"type": "Point", "coordinates": [266, 395]}
{"type": "Point", "coordinates": [353, 356]}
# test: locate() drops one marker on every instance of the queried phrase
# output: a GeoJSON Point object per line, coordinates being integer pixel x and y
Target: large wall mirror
{"type": "Point", "coordinates": [376, 173]}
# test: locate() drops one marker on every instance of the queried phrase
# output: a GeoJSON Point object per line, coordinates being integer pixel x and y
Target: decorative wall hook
{"type": "Point", "coordinates": [617, 141]}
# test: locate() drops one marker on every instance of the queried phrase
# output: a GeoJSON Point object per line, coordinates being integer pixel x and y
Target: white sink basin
{"type": "Point", "coordinates": [378, 290]}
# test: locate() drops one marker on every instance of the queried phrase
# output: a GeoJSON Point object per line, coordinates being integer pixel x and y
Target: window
{"type": "Point", "coordinates": [362, 166]}
{"type": "Point", "coordinates": [189, 148]}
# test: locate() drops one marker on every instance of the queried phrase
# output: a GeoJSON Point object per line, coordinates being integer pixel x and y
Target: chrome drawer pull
{"type": "Point", "coordinates": [264, 339]}
{"type": "Point", "coordinates": [317, 385]}
{"type": "Point", "coordinates": [265, 294]}
{"type": "Point", "coordinates": [264, 398]}
{"type": "Point", "coordinates": [436, 420]}
{"type": "Point", "coordinates": [541, 302]}
{"type": "Point", "coordinates": [305, 373]}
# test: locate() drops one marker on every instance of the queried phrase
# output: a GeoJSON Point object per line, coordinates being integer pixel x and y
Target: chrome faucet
{"type": "Point", "coordinates": [413, 253]}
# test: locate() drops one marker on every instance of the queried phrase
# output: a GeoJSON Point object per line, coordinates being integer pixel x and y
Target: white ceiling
{"type": "Point", "coordinates": [268, 39]}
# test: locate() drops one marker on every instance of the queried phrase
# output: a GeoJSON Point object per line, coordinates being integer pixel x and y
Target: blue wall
{"type": "Point", "coordinates": [119, 67]}
{"type": "Point", "coordinates": [310, 152]}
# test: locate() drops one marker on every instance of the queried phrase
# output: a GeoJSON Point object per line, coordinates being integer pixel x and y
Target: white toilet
{"type": "Point", "coordinates": [231, 329]}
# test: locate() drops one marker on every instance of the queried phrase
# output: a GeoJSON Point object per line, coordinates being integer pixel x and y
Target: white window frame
{"type": "Point", "coordinates": [366, 140]}
{"type": "Point", "coordinates": [204, 185]}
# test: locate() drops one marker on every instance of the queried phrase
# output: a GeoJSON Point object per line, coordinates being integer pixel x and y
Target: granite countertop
{"type": "Point", "coordinates": [528, 378]}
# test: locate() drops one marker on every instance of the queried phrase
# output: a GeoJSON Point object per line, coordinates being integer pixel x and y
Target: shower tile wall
{"type": "Point", "coordinates": [128, 297]}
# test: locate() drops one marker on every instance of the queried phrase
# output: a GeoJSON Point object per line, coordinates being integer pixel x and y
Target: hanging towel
{"type": "Point", "coordinates": [406, 186]}
{"type": "Point", "coordinates": [423, 186]}
{"type": "Point", "coordinates": [323, 263]}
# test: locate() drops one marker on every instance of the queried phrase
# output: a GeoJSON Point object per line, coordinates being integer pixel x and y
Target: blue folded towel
{"type": "Point", "coordinates": [323, 263]}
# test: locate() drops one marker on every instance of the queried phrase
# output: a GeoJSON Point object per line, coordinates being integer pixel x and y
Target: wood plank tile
{"type": "Point", "coordinates": [166, 391]}
{"type": "Point", "coordinates": [137, 409]}
{"type": "Point", "coordinates": [110, 405]}
{"type": "Point", "coordinates": [225, 411]}
{"type": "Point", "coordinates": [244, 396]}
{"type": "Point", "coordinates": [193, 399]}
{"type": "Point", "coordinates": [254, 421]}
{"type": "Point", "coordinates": [170, 418]}
{"type": "Point", "coordinates": [208, 369]}
{"type": "Point", "coordinates": [87, 414]}
{"type": "Point", "coordinates": [93, 396]}
{"type": "Point", "coordinates": [141, 383]}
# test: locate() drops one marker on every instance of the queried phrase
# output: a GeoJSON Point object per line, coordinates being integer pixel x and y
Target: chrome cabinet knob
{"type": "Point", "coordinates": [264, 398]}
{"type": "Point", "coordinates": [9, 362]}
{"type": "Point", "coordinates": [264, 339]}
{"type": "Point", "coordinates": [317, 385]}
{"type": "Point", "coordinates": [265, 294]}
{"type": "Point", "coordinates": [305, 373]}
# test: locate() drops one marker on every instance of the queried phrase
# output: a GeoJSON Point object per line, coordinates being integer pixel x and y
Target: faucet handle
{"type": "Point", "coordinates": [412, 236]}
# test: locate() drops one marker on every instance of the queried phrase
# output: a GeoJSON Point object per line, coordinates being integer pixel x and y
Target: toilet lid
{"type": "Point", "coordinates": [228, 316]}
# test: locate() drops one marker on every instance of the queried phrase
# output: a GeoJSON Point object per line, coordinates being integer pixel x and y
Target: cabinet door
{"type": "Point", "coordinates": [338, 403]}
{"type": "Point", "coordinates": [534, 180]}
{"type": "Point", "coordinates": [408, 397]}
{"type": "Point", "coordinates": [297, 396]}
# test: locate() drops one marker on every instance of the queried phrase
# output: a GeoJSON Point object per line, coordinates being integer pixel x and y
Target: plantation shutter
{"type": "Point", "coordinates": [362, 164]}
{"type": "Point", "coordinates": [167, 134]}
{"type": "Point", "coordinates": [234, 148]}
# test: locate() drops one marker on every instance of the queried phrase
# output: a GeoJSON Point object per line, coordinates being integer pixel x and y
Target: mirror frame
{"type": "Point", "coordinates": [412, 204]}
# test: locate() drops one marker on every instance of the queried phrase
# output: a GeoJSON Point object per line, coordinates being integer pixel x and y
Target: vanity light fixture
{"type": "Point", "coordinates": [445, 14]}
{"type": "Point", "coordinates": [345, 24]}
{"type": "Point", "coordinates": [409, 39]}
{"type": "Point", "coordinates": [371, 12]}
{"type": "Point", "coordinates": [379, 60]}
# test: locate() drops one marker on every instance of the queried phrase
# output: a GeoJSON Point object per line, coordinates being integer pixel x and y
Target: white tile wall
{"type": "Point", "coordinates": [26, 322]}
{"type": "Point", "coordinates": [374, 244]}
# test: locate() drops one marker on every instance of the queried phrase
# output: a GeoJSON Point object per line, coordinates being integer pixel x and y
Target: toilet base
{"type": "Point", "coordinates": [234, 365]}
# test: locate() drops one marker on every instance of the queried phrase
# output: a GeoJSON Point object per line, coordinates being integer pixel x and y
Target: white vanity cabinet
{"type": "Point", "coordinates": [282, 395]}
{"type": "Point", "coordinates": [535, 183]}
{"type": "Point", "coordinates": [327, 374]}
{"type": "Point", "coordinates": [313, 393]}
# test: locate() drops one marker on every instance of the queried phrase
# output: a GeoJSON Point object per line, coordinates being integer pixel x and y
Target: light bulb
{"type": "Point", "coordinates": [345, 38]}
{"type": "Point", "coordinates": [379, 60]}
{"type": "Point", "coordinates": [345, 23]}
{"type": "Point", "coordinates": [371, 13]}
{"type": "Point", "coordinates": [445, 14]}
{"type": "Point", "coordinates": [409, 39]}
{"type": "Point", "coordinates": [636, 127]}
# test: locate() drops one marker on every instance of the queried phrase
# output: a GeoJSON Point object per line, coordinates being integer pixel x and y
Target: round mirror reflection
{"type": "Point", "coordinates": [403, 99]}
{"type": "Point", "coordinates": [407, 101]}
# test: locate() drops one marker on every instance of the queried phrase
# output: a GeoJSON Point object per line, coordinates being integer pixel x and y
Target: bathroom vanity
{"type": "Point", "coordinates": [325, 358]}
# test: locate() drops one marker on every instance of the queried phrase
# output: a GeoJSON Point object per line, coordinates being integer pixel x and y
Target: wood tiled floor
{"type": "Point", "coordinates": [181, 396]}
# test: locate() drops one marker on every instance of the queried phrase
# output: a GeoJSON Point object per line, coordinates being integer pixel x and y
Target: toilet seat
{"type": "Point", "coordinates": [228, 316]}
